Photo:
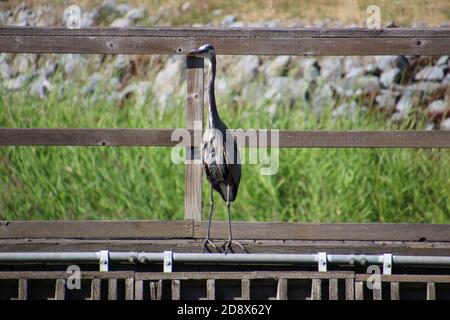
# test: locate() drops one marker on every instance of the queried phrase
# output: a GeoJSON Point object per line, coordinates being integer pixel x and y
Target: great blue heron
{"type": "Point", "coordinates": [219, 152]}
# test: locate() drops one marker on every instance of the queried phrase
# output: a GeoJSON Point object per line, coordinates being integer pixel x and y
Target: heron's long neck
{"type": "Point", "coordinates": [213, 115]}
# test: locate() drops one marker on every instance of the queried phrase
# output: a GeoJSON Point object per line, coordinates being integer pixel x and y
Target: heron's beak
{"type": "Point", "coordinates": [195, 53]}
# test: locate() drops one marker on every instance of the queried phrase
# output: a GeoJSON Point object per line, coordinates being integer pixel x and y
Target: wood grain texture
{"type": "Point", "coordinates": [395, 291]}
{"type": "Point", "coordinates": [112, 289]}
{"type": "Point", "coordinates": [95, 229]}
{"type": "Point", "coordinates": [232, 275]}
{"type": "Point", "coordinates": [293, 41]}
{"type": "Point", "coordinates": [129, 289]}
{"type": "Point", "coordinates": [156, 290]}
{"type": "Point", "coordinates": [22, 289]}
{"type": "Point", "coordinates": [60, 289]}
{"type": "Point", "coordinates": [349, 289]}
{"type": "Point", "coordinates": [211, 289]}
{"type": "Point", "coordinates": [359, 290]}
{"type": "Point", "coordinates": [194, 120]}
{"type": "Point", "coordinates": [377, 294]}
{"type": "Point", "coordinates": [139, 290]}
{"type": "Point", "coordinates": [259, 246]}
{"type": "Point", "coordinates": [176, 286]}
{"type": "Point", "coordinates": [333, 289]}
{"type": "Point", "coordinates": [245, 289]}
{"type": "Point", "coordinates": [431, 291]}
{"type": "Point", "coordinates": [282, 289]}
{"type": "Point", "coordinates": [316, 289]}
{"type": "Point", "coordinates": [325, 231]}
{"type": "Point", "coordinates": [64, 275]}
{"type": "Point", "coordinates": [244, 138]}
{"type": "Point", "coordinates": [96, 289]}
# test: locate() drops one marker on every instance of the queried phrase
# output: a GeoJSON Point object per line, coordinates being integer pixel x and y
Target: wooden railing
{"type": "Point", "coordinates": [242, 41]}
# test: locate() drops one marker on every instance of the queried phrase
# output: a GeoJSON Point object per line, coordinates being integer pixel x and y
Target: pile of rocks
{"type": "Point", "coordinates": [396, 85]}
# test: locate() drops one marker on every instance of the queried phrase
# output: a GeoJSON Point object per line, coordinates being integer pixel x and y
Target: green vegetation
{"type": "Point", "coordinates": [328, 185]}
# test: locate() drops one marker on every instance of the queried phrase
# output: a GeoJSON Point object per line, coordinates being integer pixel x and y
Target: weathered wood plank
{"type": "Point", "coordinates": [431, 291]}
{"type": "Point", "coordinates": [95, 229]}
{"type": "Point", "coordinates": [325, 231]}
{"type": "Point", "coordinates": [156, 290]}
{"type": "Point", "coordinates": [232, 275]}
{"type": "Point", "coordinates": [245, 289]}
{"type": "Point", "coordinates": [377, 293]}
{"type": "Point", "coordinates": [316, 289]}
{"type": "Point", "coordinates": [96, 289]}
{"type": "Point", "coordinates": [23, 289]}
{"type": "Point", "coordinates": [194, 120]}
{"type": "Point", "coordinates": [227, 32]}
{"type": "Point", "coordinates": [227, 41]}
{"type": "Point", "coordinates": [64, 275]}
{"type": "Point", "coordinates": [138, 290]}
{"type": "Point", "coordinates": [395, 291]}
{"type": "Point", "coordinates": [176, 286]}
{"type": "Point", "coordinates": [333, 289]}
{"type": "Point", "coordinates": [60, 289]}
{"type": "Point", "coordinates": [282, 289]}
{"type": "Point", "coordinates": [407, 278]}
{"type": "Point", "coordinates": [359, 290]}
{"type": "Point", "coordinates": [129, 289]}
{"type": "Point", "coordinates": [112, 289]}
{"type": "Point", "coordinates": [211, 289]}
{"type": "Point", "coordinates": [349, 289]}
{"type": "Point", "coordinates": [260, 246]}
{"type": "Point", "coordinates": [244, 138]}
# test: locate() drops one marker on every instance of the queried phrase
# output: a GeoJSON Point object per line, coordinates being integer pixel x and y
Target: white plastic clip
{"type": "Point", "coordinates": [387, 263]}
{"type": "Point", "coordinates": [322, 261]}
{"type": "Point", "coordinates": [104, 260]}
{"type": "Point", "coordinates": [168, 261]}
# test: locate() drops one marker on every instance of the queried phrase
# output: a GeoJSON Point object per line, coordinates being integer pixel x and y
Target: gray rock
{"type": "Point", "coordinates": [446, 79]}
{"type": "Point", "coordinates": [93, 83]}
{"type": "Point", "coordinates": [16, 83]}
{"type": "Point", "coordinates": [385, 62]}
{"type": "Point", "coordinates": [40, 87]}
{"type": "Point", "coordinates": [386, 99]}
{"type": "Point", "coordinates": [168, 80]}
{"type": "Point", "coordinates": [331, 68]}
{"type": "Point", "coordinates": [356, 86]}
{"type": "Point", "coordinates": [187, 6]}
{"type": "Point", "coordinates": [351, 63]}
{"type": "Point", "coordinates": [228, 20]}
{"type": "Point", "coordinates": [347, 109]}
{"type": "Point", "coordinates": [110, 4]}
{"type": "Point", "coordinates": [322, 97]}
{"type": "Point", "coordinates": [424, 87]}
{"type": "Point", "coordinates": [122, 8]}
{"type": "Point", "coordinates": [355, 72]}
{"type": "Point", "coordinates": [135, 14]}
{"type": "Point", "coordinates": [445, 125]}
{"type": "Point", "coordinates": [139, 91]}
{"type": "Point", "coordinates": [121, 23]}
{"type": "Point", "coordinates": [406, 103]}
{"type": "Point", "coordinates": [121, 62]}
{"type": "Point", "coordinates": [437, 108]}
{"type": "Point", "coordinates": [442, 61]}
{"type": "Point", "coordinates": [88, 18]}
{"type": "Point", "coordinates": [278, 66]}
{"type": "Point", "coordinates": [23, 63]}
{"type": "Point", "coordinates": [245, 71]}
{"type": "Point", "coordinates": [389, 77]}
{"type": "Point", "coordinates": [309, 69]}
{"type": "Point", "coordinates": [72, 63]}
{"type": "Point", "coordinates": [430, 73]}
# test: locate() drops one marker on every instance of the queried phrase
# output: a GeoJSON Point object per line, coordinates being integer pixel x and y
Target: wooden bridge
{"type": "Point", "coordinates": [143, 280]}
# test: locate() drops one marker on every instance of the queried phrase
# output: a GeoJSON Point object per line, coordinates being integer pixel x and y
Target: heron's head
{"type": "Point", "coordinates": [205, 51]}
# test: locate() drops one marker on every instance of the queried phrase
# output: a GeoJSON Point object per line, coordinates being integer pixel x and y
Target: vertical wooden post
{"type": "Point", "coordinates": [316, 289]}
{"type": "Point", "coordinates": [112, 289]}
{"type": "Point", "coordinates": [96, 289]}
{"type": "Point", "coordinates": [333, 289]}
{"type": "Point", "coordinates": [431, 291]}
{"type": "Point", "coordinates": [129, 289]}
{"type": "Point", "coordinates": [176, 289]}
{"type": "Point", "coordinates": [138, 290]}
{"type": "Point", "coordinates": [245, 289]}
{"type": "Point", "coordinates": [349, 289]}
{"type": "Point", "coordinates": [359, 290]}
{"type": "Point", "coordinates": [210, 289]}
{"type": "Point", "coordinates": [282, 289]}
{"type": "Point", "coordinates": [23, 289]}
{"type": "Point", "coordinates": [60, 289]}
{"type": "Point", "coordinates": [194, 116]}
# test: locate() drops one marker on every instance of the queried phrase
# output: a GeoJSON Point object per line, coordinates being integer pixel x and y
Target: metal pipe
{"type": "Point", "coordinates": [152, 257]}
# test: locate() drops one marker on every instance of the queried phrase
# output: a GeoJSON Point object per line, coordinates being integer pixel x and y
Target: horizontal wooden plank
{"type": "Point", "coordinates": [95, 229]}
{"type": "Point", "coordinates": [407, 278]}
{"type": "Point", "coordinates": [229, 32]}
{"type": "Point", "coordinates": [64, 275]}
{"type": "Point", "coordinates": [262, 41]}
{"type": "Point", "coordinates": [252, 246]}
{"type": "Point", "coordinates": [228, 46]}
{"type": "Point", "coordinates": [248, 138]}
{"type": "Point", "coordinates": [327, 231]}
{"type": "Point", "coordinates": [230, 275]}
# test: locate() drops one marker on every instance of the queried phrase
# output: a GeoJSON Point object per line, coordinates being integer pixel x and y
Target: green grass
{"type": "Point", "coordinates": [328, 185]}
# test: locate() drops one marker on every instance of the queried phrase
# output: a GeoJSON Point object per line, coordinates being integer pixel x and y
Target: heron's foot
{"type": "Point", "coordinates": [207, 242]}
{"type": "Point", "coordinates": [227, 246]}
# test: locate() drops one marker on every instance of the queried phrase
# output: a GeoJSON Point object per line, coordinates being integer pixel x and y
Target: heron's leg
{"type": "Point", "coordinates": [229, 242]}
{"type": "Point", "coordinates": [207, 239]}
